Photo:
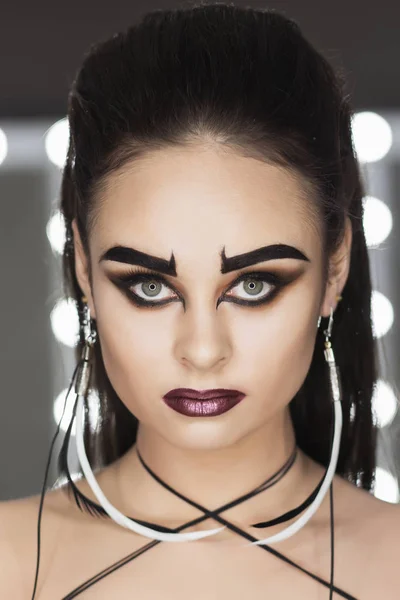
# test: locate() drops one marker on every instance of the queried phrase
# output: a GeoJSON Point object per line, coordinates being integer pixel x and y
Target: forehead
{"type": "Point", "coordinates": [198, 200]}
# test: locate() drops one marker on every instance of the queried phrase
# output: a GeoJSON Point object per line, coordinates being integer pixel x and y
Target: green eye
{"type": "Point", "coordinates": [151, 287]}
{"type": "Point", "coordinates": [253, 286]}
{"type": "Point", "coordinates": [257, 288]}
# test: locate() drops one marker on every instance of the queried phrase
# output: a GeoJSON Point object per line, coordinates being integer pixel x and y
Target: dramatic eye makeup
{"type": "Point", "coordinates": [264, 285]}
{"type": "Point", "coordinates": [254, 288]}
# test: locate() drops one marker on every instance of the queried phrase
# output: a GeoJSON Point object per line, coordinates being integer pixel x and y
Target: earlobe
{"type": "Point", "coordinates": [81, 269]}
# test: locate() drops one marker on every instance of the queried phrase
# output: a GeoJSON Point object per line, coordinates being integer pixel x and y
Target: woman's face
{"type": "Point", "coordinates": [194, 204]}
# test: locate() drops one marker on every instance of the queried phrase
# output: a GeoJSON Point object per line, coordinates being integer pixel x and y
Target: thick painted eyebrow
{"type": "Point", "coordinates": [168, 267]}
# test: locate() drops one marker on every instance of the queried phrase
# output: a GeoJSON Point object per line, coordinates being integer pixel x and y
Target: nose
{"type": "Point", "coordinates": [204, 341]}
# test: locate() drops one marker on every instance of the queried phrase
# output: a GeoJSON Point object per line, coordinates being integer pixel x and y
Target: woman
{"type": "Point", "coordinates": [213, 207]}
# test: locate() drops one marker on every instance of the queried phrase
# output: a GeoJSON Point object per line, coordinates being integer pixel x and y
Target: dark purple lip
{"type": "Point", "coordinates": [201, 394]}
{"type": "Point", "coordinates": [191, 407]}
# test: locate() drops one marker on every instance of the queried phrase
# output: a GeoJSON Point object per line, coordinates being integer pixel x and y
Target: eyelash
{"type": "Point", "coordinates": [139, 275]}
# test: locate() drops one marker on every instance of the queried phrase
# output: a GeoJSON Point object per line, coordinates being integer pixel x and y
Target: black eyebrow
{"type": "Point", "coordinates": [168, 267]}
{"type": "Point", "coordinates": [240, 261]}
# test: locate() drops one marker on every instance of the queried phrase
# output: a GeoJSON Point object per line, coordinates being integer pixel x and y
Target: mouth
{"type": "Point", "coordinates": [203, 403]}
{"type": "Point", "coordinates": [201, 395]}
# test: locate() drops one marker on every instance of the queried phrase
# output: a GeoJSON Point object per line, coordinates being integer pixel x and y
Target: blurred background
{"type": "Point", "coordinates": [41, 47]}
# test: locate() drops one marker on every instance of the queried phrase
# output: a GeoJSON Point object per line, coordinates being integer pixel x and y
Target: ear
{"type": "Point", "coordinates": [339, 268]}
{"type": "Point", "coordinates": [82, 270]}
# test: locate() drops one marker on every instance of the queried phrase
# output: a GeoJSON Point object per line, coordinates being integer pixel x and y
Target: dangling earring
{"type": "Point", "coordinates": [81, 389]}
{"type": "Point", "coordinates": [336, 398]}
{"type": "Point", "coordinates": [83, 376]}
{"type": "Point", "coordinates": [338, 299]}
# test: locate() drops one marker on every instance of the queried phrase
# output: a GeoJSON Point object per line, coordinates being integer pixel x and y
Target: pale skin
{"type": "Point", "coordinates": [169, 203]}
{"type": "Point", "coordinates": [191, 203]}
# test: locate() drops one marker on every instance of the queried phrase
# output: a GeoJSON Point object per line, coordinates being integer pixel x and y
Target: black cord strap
{"type": "Point", "coordinates": [215, 514]}
{"type": "Point", "coordinates": [230, 526]}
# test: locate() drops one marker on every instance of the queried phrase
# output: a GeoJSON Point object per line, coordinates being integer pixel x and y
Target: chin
{"type": "Point", "coordinates": [204, 435]}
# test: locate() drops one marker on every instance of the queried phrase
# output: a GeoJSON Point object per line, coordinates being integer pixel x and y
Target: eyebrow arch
{"type": "Point", "coordinates": [131, 256]}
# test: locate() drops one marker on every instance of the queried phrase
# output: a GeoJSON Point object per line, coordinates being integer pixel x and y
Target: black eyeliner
{"type": "Point", "coordinates": [138, 275]}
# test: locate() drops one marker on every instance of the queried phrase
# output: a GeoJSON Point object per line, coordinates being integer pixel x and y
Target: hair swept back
{"type": "Point", "coordinates": [249, 80]}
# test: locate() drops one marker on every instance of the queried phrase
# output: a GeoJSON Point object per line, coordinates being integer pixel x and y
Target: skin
{"type": "Point", "coordinates": [192, 202]}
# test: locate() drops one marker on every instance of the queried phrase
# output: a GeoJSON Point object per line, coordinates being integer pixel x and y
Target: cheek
{"type": "Point", "coordinates": [135, 348]}
{"type": "Point", "coordinates": [275, 354]}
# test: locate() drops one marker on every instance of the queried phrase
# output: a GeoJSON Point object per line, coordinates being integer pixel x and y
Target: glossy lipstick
{"type": "Point", "coordinates": [202, 403]}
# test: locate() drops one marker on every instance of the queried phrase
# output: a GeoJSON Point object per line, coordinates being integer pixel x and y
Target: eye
{"type": "Point", "coordinates": [144, 288]}
{"type": "Point", "coordinates": [147, 289]}
{"type": "Point", "coordinates": [151, 287]}
{"type": "Point", "coordinates": [254, 287]}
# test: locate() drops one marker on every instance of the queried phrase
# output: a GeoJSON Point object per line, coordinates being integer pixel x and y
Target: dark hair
{"type": "Point", "coordinates": [247, 79]}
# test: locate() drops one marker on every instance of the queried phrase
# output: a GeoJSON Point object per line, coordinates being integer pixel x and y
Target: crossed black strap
{"type": "Point", "coordinates": [95, 508]}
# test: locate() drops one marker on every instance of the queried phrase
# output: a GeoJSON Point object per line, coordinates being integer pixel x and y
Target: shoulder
{"type": "Point", "coordinates": [381, 521]}
{"type": "Point", "coordinates": [18, 541]}
{"type": "Point", "coordinates": [361, 506]}
{"type": "Point", "coordinates": [370, 538]}
{"type": "Point", "coordinates": [381, 547]}
{"type": "Point", "coordinates": [16, 546]}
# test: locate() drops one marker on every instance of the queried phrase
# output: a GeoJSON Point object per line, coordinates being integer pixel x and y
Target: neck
{"type": "Point", "coordinates": [213, 478]}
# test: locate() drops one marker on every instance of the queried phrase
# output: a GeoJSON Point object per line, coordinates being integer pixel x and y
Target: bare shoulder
{"type": "Point", "coordinates": [18, 542]}
{"type": "Point", "coordinates": [362, 506]}
{"type": "Point", "coordinates": [16, 537]}
{"type": "Point", "coordinates": [371, 539]}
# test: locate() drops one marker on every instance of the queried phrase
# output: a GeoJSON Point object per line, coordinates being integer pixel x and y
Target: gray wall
{"type": "Point", "coordinates": [26, 387]}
